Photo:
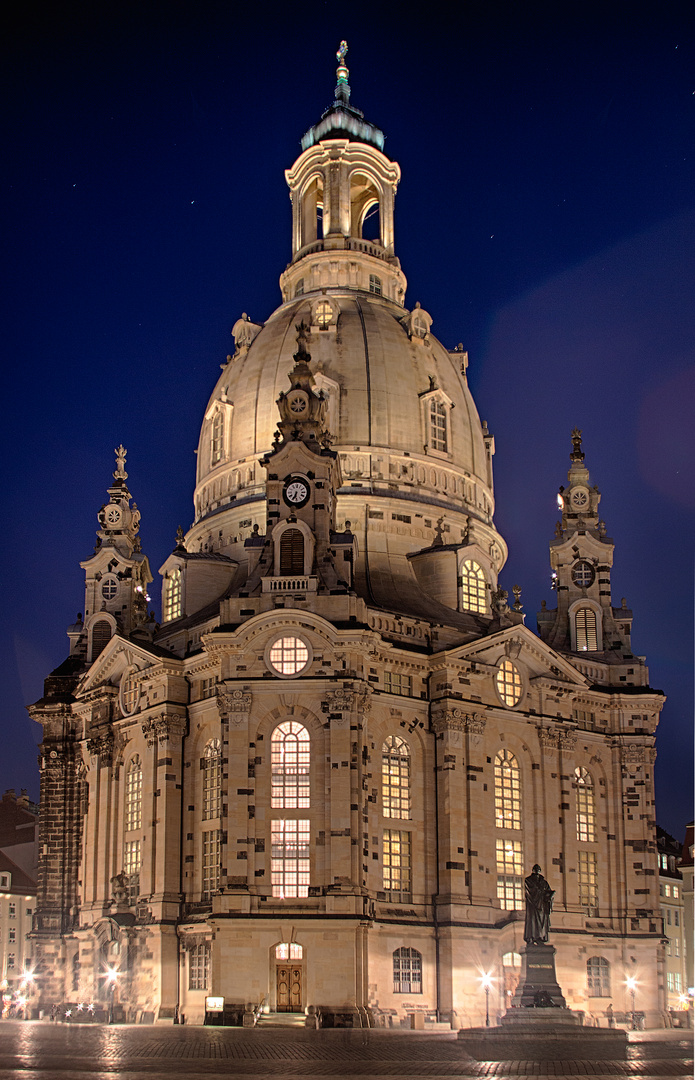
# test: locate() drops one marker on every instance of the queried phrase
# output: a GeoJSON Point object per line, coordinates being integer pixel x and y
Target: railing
{"type": "Point", "coordinates": [293, 583]}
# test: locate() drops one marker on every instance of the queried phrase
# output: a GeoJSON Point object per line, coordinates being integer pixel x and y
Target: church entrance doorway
{"type": "Point", "coordinates": [288, 977]}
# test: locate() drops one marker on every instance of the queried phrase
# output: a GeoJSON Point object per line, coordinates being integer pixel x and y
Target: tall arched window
{"type": "Point", "coordinates": [212, 777]}
{"type": "Point", "coordinates": [290, 760]}
{"type": "Point", "coordinates": [585, 626]}
{"type": "Point", "coordinates": [586, 806]}
{"type": "Point", "coordinates": [407, 971]}
{"type": "Point", "coordinates": [292, 552]}
{"type": "Point", "coordinates": [395, 778]}
{"type": "Point", "coordinates": [473, 588]}
{"type": "Point", "coordinates": [101, 636]}
{"type": "Point", "coordinates": [508, 682]}
{"type": "Point", "coordinates": [133, 795]}
{"type": "Point", "coordinates": [172, 595]}
{"type": "Point", "coordinates": [438, 426]}
{"type": "Point", "coordinates": [507, 791]}
{"type": "Point", "coordinates": [217, 437]}
{"type": "Point", "coordinates": [598, 977]}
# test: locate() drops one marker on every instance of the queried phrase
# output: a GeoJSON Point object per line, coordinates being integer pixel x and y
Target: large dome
{"type": "Point", "coordinates": [416, 461]}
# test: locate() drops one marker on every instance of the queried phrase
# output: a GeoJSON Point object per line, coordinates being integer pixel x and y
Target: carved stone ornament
{"type": "Point", "coordinates": [102, 746]}
{"type": "Point", "coordinates": [233, 705]}
{"type": "Point", "coordinates": [338, 701]}
{"type": "Point", "coordinates": [162, 728]}
{"type": "Point", "coordinates": [567, 740]}
{"type": "Point", "coordinates": [119, 885]}
{"type": "Point", "coordinates": [548, 738]}
{"type": "Point", "coordinates": [636, 753]}
{"type": "Point", "coordinates": [458, 720]}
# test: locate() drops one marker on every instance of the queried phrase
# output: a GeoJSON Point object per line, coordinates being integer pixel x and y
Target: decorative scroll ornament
{"type": "Point", "coordinates": [457, 720]}
{"type": "Point", "coordinates": [567, 740]}
{"type": "Point", "coordinates": [636, 753]}
{"type": "Point", "coordinates": [233, 705]}
{"type": "Point", "coordinates": [548, 738]}
{"type": "Point", "coordinates": [162, 728]}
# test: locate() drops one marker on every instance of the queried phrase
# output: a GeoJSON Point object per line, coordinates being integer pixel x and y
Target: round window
{"type": "Point", "coordinates": [288, 656]}
{"type": "Point", "coordinates": [109, 588]}
{"type": "Point", "coordinates": [583, 574]}
{"type": "Point", "coordinates": [508, 682]}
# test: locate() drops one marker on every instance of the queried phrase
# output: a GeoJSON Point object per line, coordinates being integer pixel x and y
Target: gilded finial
{"type": "Point", "coordinates": [342, 90]}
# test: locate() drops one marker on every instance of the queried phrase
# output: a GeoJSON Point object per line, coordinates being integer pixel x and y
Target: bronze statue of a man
{"type": "Point", "coordinates": [539, 904]}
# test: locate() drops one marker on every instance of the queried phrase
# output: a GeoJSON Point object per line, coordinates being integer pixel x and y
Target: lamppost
{"type": "Point", "coordinates": [632, 986]}
{"type": "Point", "coordinates": [487, 983]}
{"type": "Point", "coordinates": [111, 980]}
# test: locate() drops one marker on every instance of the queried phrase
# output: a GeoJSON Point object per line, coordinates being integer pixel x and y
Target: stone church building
{"type": "Point", "coordinates": [319, 784]}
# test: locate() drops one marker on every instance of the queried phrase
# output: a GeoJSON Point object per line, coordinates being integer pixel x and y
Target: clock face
{"type": "Point", "coordinates": [296, 492]}
{"type": "Point", "coordinates": [113, 515]}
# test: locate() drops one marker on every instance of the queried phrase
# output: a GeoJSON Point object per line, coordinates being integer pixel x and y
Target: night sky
{"type": "Point", "coordinates": [545, 219]}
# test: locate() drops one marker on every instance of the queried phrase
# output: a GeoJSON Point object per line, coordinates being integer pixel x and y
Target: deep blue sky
{"type": "Point", "coordinates": [546, 219]}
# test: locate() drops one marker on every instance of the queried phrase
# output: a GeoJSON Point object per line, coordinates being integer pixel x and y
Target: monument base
{"type": "Point", "coordinates": [538, 986]}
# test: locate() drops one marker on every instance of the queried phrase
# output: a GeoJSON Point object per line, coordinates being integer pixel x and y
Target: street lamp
{"type": "Point", "coordinates": [111, 980]}
{"type": "Point", "coordinates": [632, 986]}
{"type": "Point", "coordinates": [487, 983]}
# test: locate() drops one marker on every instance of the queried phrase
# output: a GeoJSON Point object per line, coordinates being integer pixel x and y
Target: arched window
{"type": "Point", "coordinates": [395, 778]}
{"type": "Point", "coordinates": [217, 437]}
{"type": "Point", "coordinates": [289, 950]}
{"type": "Point", "coordinates": [585, 626]}
{"type": "Point", "coordinates": [473, 588]}
{"type": "Point", "coordinates": [508, 682]}
{"type": "Point", "coordinates": [507, 791]}
{"type": "Point", "coordinates": [586, 806]}
{"type": "Point", "coordinates": [438, 426]}
{"type": "Point", "coordinates": [598, 977]}
{"type": "Point", "coordinates": [199, 967]}
{"type": "Point", "coordinates": [511, 971]}
{"type": "Point", "coordinates": [299, 287]}
{"type": "Point", "coordinates": [323, 314]}
{"type": "Point", "coordinates": [292, 552]}
{"type": "Point", "coordinates": [407, 971]}
{"type": "Point", "coordinates": [212, 777]}
{"type": "Point", "coordinates": [172, 595]}
{"type": "Point", "coordinates": [290, 760]}
{"type": "Point", "coordinates": [133, 796]}
{"type": "Point", "coordinates": [101, 636]}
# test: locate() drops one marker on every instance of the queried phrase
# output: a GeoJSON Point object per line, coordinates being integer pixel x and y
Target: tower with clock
{"type": "Point", "coordinates": [322, 780]}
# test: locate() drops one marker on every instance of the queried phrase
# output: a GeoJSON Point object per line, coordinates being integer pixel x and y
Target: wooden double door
{"type": "Point", "coordinates": [289, 988]}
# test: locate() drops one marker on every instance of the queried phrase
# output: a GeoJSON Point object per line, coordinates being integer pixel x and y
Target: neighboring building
{"type": "Point", "coordinates": [321, 783]}
{"type": "Point", "coordinates": [19, 831]}
{"type": "Point", "coordinates": [17, 906]}
{"type": "Point", "coordinates": [673, 915]}
{"type": "Point", "coordinates": [686, 869]}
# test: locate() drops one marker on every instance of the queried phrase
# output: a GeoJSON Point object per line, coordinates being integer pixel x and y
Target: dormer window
{"type": "Point", "coordinates": [375, 284]}
{"type": "Point", "coordinates": [323, 314]}
{"type": "Point", "coordinates": [473, 588]}
{"type": "Point", "coordinates": [438, 427]}
{"type": "Point", "coordinates": [216, 438]}
{"type": "Point", "coordinates": [172, 595]}
{"type": "Point", "coordinates": [299, 287]}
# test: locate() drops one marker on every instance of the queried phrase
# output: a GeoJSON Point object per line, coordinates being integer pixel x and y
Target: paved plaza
{"type": "Point", "coordinates": [44, 1051]}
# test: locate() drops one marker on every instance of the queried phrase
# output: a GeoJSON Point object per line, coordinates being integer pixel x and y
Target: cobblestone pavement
{"type": "Point", "coordinates": [45, 1051]}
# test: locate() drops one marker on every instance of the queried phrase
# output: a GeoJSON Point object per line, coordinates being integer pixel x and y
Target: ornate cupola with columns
{"type": "Point", "coordinates": [319, 786]}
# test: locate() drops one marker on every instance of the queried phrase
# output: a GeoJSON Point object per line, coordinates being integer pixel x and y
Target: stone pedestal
{"type": "Point", "coordinates": [538, 986]}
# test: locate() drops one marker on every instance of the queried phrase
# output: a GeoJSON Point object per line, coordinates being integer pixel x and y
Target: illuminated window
{"type": "Point", "coordinates": [216, 437]}
{"type": "Point", "coordinates": [397, 866]}
{"type": "Point", "coordinates": [375, 284]}
{"type": "Point", "coordinates": [588, 882]}
{"type": "Point", "coordinates": [323, 314]}
{"type": "Point", "coordinates": [212, 780]}
{"type": "Point", "coordinates": [438, 429]}
{"type": "Point", "coordinates": [586, 806]}
{"type": "Point", "coordinates": [130, 693]}
{"type": "Point", "coordinates": [290, 858]}
{"type": "Point", "coordinates": [407, 971]}
{"type": "Point", "coordinates": [211, 862]}
{"type": "Point", "coordinates": [172, 595]}
{"type": "Point", "coordinates": [199, 967]}
{"type": "Point", "coordinates": [510, 874]}
{"type": "Point", "coordinates": [508, 682]}
{"type": "Point", "coordinates": [288, 655]}
{"type": "Point", "coordinates": [292, 552]}
{"type": "Point", "coordinates": [675, 892]}
{"type": "Point", "coordinates": [101, 636]}
{"type": "Point", "coordinates": [289, 950]}
{"type": "Point", "coordinates": [583, 574]}
{"type": "Point", "coordinates": [395, 778]}
{"type": "Point", "coordinates": [585, 626]}
{"type": "Point", "coordinates": [473, 588]}
{"type": "Point", "coordinates": [507, 791]}
{"type": "Point", "coordinates": [133, 796]}
{"type": "Point", "coordinates": [109, 588]}
{"type": "Point", "coordinates": [132, 861]}
{"type": "Point", "coordinates": [395, 683]}
{"type": "Point", "coordinates": [290, 760]}
{"type": "Point", "coordinates": [598, 977]}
